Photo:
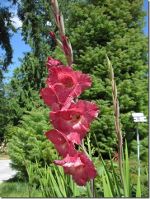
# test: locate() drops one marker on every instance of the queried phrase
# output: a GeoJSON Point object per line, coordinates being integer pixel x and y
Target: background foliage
{"type": "Point", "coordinates": [27, 143]}
{"type": "Point", "coordinates": [95, 28]}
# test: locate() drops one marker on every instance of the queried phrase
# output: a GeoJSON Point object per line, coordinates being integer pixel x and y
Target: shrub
{"type": "Point", "coordinates": [28, 143]}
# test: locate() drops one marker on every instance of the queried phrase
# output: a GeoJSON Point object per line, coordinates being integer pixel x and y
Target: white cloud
{"type": "Point", "coordinates": [13, 9]}
{"type": "Point", "coordinates": [16, 22]}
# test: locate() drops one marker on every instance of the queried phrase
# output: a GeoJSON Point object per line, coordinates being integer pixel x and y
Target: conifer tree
{"type": "Point", "coordinates": [4, 109]}
{"type": "Point", "coordinates": [37, 21]}
{"type": "Point", "coordinates": [97, 28]}
{"type": "Point", "coordinates": [6, 31]}
{"type": "Point", "coordinates": [6, 27]}
{"type": "Point", "coordinates": [27, 143]}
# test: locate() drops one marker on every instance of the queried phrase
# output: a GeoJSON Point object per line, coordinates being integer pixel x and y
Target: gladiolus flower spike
{"type": "Point", "coordinates": [70, 117]}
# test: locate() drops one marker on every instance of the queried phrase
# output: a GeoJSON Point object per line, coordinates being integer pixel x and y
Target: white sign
{"type": "Point", "coordinates": [139, 117]}
{"type": "Point", "coordinates": [137, 114]}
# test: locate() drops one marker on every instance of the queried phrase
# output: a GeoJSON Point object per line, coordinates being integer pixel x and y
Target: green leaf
{"type": "Point", "coordinates": [106, 186]}
{"type": "Point", "coordinates": [138, 188]}
{"type": "Point", "coordinates": [126, 173]}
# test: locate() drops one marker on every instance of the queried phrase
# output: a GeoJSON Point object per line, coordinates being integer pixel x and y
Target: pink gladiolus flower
{"type": "Point", "coordinates": [75, 121]}
{"type": "Point", "coordinates": [68, 82]}
{"type": "Point", "coordinates": [53, 99]}
{"type": "Point", "coordinates": [64, 85]}
{"type": "Point", "coordinates": [52, 62]}
{"type": "Point", "coordinates": [62, 144]}
{"type": "Point", "coordinates": [79, 166]}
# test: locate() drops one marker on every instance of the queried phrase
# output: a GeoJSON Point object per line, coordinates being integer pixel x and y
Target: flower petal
{"type": "Point", "coordinates": [76, 119]}
{"type": "Point", "coordinates": [62, 144]}
{"type": "Point", "coordinates": [79, 166]}
{"type": "Point", "coordinates": [74, 82]}
{"type": "Point", "coordinates": [50, 98]}
{"type": "Point", "coordinates": [52, 62]}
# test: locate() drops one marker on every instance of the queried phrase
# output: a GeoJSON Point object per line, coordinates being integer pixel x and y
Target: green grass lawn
{"type": "Point", "coordinates": [17, 189]}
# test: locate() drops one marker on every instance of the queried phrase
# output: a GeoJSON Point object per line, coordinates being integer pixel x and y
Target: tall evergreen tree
{"type": "Point", "coordinates": [37, 21]}
{"type": "Point", "coordinates": [6, 31]}
{"type": "Point", "coordinates": [6, 28]}
{"type": "Point", "coordinates": [111, 27]}
{"type": "Point", "coordinates": [5, 113]}
{"type": "Point", "coordinates": [35, 17]}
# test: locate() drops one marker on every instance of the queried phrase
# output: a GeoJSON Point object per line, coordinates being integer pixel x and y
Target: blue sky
{"type": "Point", "coordinates": [19, 47]}
{"type": "Point", "coordinates": [145, 7]}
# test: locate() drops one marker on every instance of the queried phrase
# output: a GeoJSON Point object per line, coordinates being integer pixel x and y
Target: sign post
{"type": "Point", "coordinates": [138, 117]}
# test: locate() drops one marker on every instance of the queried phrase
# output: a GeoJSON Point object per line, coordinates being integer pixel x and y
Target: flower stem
{"type": "Point", "coordinates": [92, 187]}
{"type": "Point", "coordinates": [64, 42]}
{"type": "Point", "coordinates": [92, 180]}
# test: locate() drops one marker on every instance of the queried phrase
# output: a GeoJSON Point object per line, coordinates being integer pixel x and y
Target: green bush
{"type": "Point", "coordinates": [28, 143]}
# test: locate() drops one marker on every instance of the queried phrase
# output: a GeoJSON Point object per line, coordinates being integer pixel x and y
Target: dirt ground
{"type": "Point", "coordinates": [4, 156]}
